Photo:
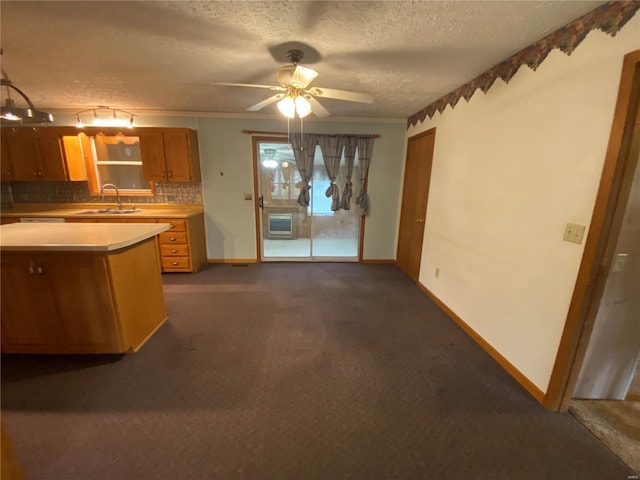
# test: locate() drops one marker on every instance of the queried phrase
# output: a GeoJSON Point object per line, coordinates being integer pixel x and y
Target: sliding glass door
{"type": "Point", "coordinates": [290, 232]}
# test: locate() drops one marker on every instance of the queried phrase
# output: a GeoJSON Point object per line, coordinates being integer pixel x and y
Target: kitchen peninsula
{"type": "Point", "coordinates": [80, 288]}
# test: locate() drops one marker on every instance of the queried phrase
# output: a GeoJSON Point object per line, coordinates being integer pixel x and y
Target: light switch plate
{"type": "Point", "coordinates": [574, 233]}
{"type": "Point", "coordinates": [619, 262]}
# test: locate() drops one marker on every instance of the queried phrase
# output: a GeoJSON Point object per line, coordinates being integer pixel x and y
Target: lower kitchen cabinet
{"type": "Point", "coordinates": [182, 247]}
{"type": "Point", "coordinates": [80, 302]}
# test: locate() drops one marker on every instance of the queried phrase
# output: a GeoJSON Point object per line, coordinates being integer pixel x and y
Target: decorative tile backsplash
{"type": "Point", "coordinates": [78, 192]}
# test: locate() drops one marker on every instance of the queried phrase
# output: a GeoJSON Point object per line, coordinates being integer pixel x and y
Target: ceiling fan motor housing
{"type": "Point", "coordinates": [295, 76]}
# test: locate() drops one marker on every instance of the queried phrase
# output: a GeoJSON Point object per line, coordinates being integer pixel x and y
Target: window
{"type": "Point", "coordinates": [115, 159]}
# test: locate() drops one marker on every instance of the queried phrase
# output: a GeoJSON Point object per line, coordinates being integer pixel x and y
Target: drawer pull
{"type": "Point", "coordinates": [173, 239]}
{"type": "Point", "coordinates": [175, 263]}
{"type": "Point", "coordinates": [172, 226]}
{"type": "Point", "coordinates": [174, 251]}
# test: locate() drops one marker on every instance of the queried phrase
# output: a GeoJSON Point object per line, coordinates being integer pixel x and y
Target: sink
{"type": "Point", "coordinates": [109, 211]}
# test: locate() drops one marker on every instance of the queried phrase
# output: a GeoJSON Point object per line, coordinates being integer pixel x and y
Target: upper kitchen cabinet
{"type": "Point", "coordinates": [170, 154]}
{"type": "Point", "coordinates": [43, 153]}
{"type": "Point", "coordinates": [6, 170]}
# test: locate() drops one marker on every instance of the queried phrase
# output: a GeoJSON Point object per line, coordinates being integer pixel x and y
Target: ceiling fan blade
{"type": "Point", "coordinates": [340, 94]}
{"type": "Point", "coordinates": [251, 85]}
{"type": "Point", "coordinates": [303, 76]}
{"type": "Point", "coordinates": [264, 103]}
{"type": "Point", "coordinates": [318, 110]}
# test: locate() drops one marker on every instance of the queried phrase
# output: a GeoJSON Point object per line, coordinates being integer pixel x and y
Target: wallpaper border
{"type": "Point", "coordinates": [609, 18]}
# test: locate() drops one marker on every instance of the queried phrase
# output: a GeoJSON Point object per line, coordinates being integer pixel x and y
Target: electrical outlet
{"type": "Point", "coordinates": [574, 233]}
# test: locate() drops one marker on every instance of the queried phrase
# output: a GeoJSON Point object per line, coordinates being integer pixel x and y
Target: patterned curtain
{"type": "Point", "coordinates": [365, 148]}
{"type": "Point", "coordinates": [331, 146]}
{"type": "Point", "coordinates": [349, 157]}
{"type": "Point", "coordinates": [304, 161]}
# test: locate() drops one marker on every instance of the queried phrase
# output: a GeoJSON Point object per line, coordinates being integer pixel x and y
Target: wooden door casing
{"type": "Point", "coordinates": [415, 195]}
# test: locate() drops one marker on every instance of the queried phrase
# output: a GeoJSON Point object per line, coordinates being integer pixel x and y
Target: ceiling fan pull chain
{"type": "Point", "coordinates": [301, 132]}
{"type": "Point", "coordinates": [288, 133]}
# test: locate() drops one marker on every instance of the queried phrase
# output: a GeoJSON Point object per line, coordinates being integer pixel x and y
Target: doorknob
{"type": "Point", "coordinates": [261, 201]}
{"type": "Point", "coordinates": [420, 220]}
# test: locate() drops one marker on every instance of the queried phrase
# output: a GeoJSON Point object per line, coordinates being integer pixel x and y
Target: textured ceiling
{"type": "Point", "coordinates": [165, 56]}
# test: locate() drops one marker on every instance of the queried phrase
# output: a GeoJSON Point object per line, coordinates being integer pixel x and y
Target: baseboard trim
{"type": "Point", "coordinates": [232, 260]}
{"type": "Point", "coordinates": [527, 384]}
{"type": "Point", "coordinates": [377, 260]}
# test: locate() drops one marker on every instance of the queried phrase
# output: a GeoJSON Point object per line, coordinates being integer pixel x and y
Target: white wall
{"type": "Point", "coordinates": [510, 169]}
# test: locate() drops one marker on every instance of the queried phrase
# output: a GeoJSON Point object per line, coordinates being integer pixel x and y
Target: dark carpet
{"type": "Point", "coordinates": [292, 371]}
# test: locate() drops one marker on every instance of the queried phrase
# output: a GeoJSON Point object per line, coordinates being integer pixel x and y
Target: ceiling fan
{"type": "Point", "coordinates": [294, 96]}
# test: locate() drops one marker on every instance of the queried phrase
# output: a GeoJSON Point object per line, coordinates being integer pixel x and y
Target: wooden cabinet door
{"type": "Point", "coordinates": [23, 153]}
{"type": "Point", "coordinates": [177, 154]}
{"type": "Point", "coordinates": [152, 153]}
{"type": "Point", "coordinates": [85, 307]}
{"type": "Point", "coordinates": [29, 316]}
{"type": "Point", "coordinates": [57, 302]}
{"type": "Point", "coordinates": [50, 154]}
{"type": "Point", "coordinates": [6, 169]}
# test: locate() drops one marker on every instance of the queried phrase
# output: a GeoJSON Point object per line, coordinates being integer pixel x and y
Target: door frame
{"type": "Point", "coordinates": [257, 214]}
{"type": "Point", "coordinates": [608, 212]}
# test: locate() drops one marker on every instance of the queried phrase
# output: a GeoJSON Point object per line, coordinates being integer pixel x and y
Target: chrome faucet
{"type": "Point", "coordinates": [111, 185]}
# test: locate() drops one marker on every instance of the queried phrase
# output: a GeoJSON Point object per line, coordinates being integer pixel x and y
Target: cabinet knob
{"type": "Point", "coordinates": [175, 263]}
{"type": "Point", "coordinates": [170, 174]}
{"type": "Point", "coordinates": [173, 239]}
{"type": "Point", "coordinates": [35, 174]}
{"type": "Point", "coordinates": [174, 251]}
{"type": "Point", "coordinates": [39, 173]}
{"type": "Point", "coordinates": [33, 269]}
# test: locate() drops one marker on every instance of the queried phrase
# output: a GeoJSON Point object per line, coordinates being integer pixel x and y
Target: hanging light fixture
{"type": "Point", "coordinates": [104, 116]}
{"type": "Point", "coordinates": [12, 112]}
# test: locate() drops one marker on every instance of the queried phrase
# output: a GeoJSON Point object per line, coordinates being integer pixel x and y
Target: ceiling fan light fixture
{"type": "Point", "coordinates": [287, 107]}
{"type": "Point", "coordinates": [303, 107]}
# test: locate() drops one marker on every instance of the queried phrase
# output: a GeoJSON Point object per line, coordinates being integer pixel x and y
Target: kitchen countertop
{"type": "Point", "coordinates": [75, 237]}
{"type": "Point", "coordinates": [70, 210]}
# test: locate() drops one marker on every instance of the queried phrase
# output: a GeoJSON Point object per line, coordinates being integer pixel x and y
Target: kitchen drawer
{"type": "Point", "coordinates": [173, 237]}
{"type": "Point", "coordinates": [174, 263]}
{"type": "Point", "coordinates": [176, 224]}
{"type": "Point", "coordinates": [174, 250]}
